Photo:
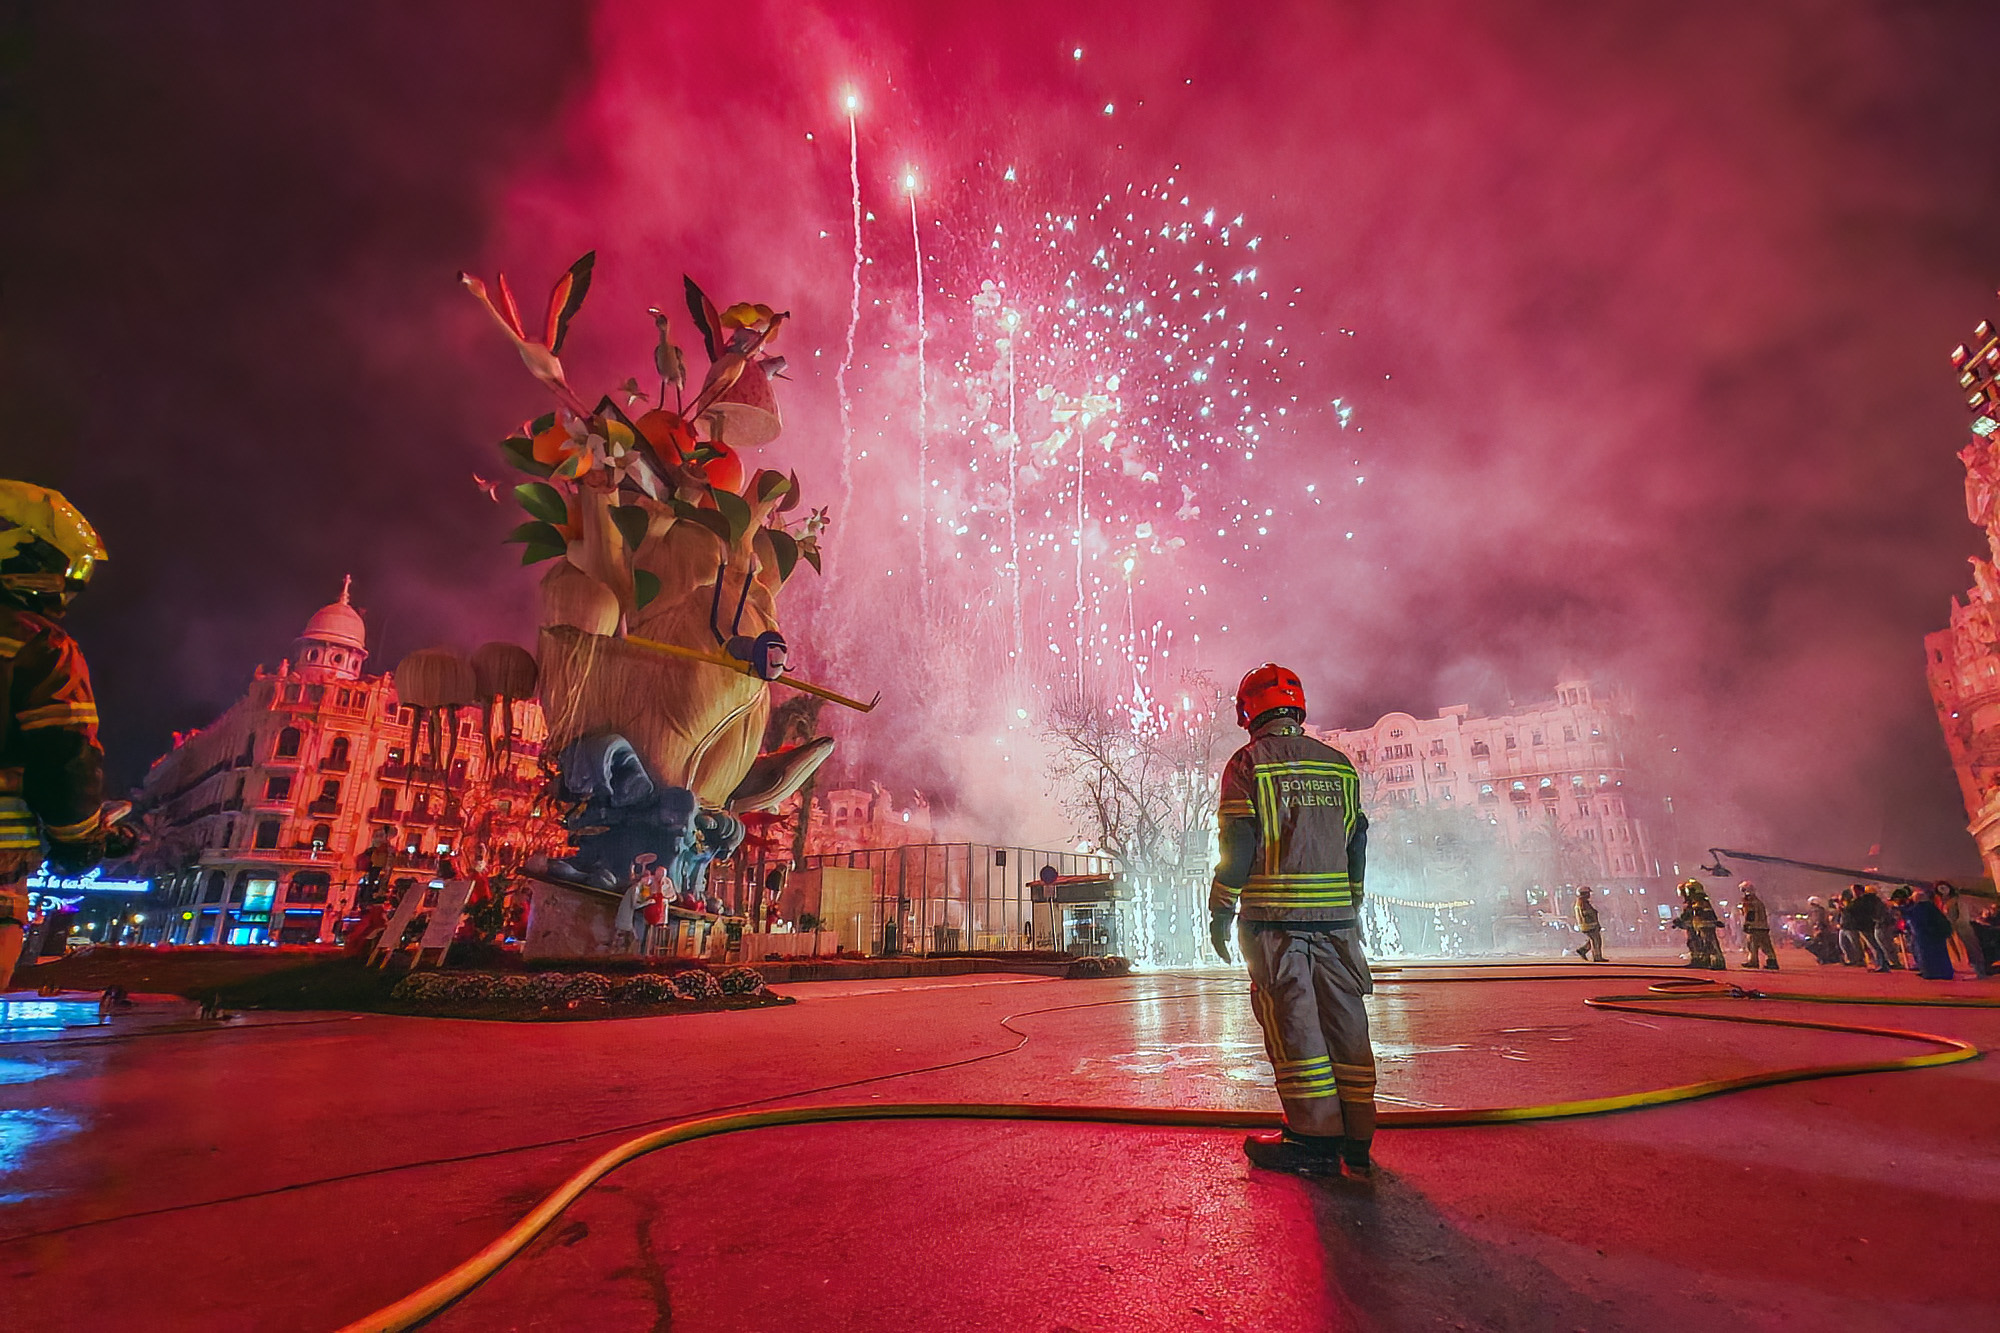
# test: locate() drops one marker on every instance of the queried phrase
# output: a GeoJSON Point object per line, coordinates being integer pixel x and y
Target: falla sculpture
{"type": "Point", "coordinates": [659, 641]}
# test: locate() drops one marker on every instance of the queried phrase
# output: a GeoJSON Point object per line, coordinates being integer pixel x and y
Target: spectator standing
{"type": "Point", "coordinates": [1886, 920]}
{"type": "Point", "coordinates": [1857, 930]}
{"type": "Point", "coordinates": [1952, 903]}
{"type": "Point", "coordinates": [1930, 937]}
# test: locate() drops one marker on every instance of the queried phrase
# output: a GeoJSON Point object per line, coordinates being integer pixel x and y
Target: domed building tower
{"type": "Point", "coordinates": [335, 643]}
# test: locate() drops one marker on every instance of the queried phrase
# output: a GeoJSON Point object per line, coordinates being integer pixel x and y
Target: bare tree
{"type": "Point", "coordinates": [1139, 776]}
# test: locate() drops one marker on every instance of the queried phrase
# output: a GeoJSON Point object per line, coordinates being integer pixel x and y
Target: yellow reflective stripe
{"type": "Point", "coordinates": [17, 824]}
{"type": "Point", "coordinates": [1267, 815]}
{"type": "Point", "coordinates": [1235, 807]}
{"type": "Point", "coordinates": [1310, 1061]}
{"type": "Point", "coordinates": [1323, 1087]}
{"type": "Point", "coordinates": [1297, 899]}
{"type": "Point", "coordinates": [1334, 877]}
{"type": "Point", "coordinates": [57, 715]}
{"type": "Point", "coordinates": [9, 647]}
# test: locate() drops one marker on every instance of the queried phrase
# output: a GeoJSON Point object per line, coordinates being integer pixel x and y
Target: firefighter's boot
{"type": "Point", "coordinates": [1298, 1154]}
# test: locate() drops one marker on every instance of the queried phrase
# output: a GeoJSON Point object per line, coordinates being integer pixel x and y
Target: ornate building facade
{"type": "Point", "coordinates": [261, 823]}
{"type": "Point", "coordinates": [1552, 782]}
{"type": "Point", "coordinates": [1962, 661]}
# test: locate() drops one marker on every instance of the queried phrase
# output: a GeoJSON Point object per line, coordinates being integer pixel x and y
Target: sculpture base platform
{"type": "Point", "coordinates": [572, 921]}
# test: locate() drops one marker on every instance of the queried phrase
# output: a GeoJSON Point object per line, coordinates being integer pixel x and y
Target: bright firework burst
{"type": "Point", "coordinates": [1118, 369]}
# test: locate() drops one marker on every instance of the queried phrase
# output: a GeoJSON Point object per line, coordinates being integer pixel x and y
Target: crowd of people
{"type": "Point", "coordinates": [1933, 930]}
{"type": "Point", "coordinates": [1929, 930]}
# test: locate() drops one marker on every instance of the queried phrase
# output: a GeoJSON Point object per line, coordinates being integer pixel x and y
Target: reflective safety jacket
{"type": "Point", "coordinates": [1292, 832]}
{"type": "Point", "coordinates": [1755, 917]}
{"type": "Point", "coordinates": [1586, 914]}
{"type": "Point", "coordinates": [51, 766]}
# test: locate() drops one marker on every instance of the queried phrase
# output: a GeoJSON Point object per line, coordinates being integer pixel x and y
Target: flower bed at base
{"type": "Point", "coordinates": [559, 995]}
{"type": "Point", "coordinates": [530, 996]}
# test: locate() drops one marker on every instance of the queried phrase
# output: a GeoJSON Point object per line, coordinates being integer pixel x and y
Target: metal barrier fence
{"type": "Point", "coordinates": [959, 896]}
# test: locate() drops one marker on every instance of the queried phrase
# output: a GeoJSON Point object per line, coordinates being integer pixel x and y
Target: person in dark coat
{"type": "Point", "coordinates": [1859, 919]}
{"type": "Point", "coordinates": [1930, 936]}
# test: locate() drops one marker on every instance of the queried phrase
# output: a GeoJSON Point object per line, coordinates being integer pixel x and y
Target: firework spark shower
{"type": "Point", "coordinates": [1427, 348]}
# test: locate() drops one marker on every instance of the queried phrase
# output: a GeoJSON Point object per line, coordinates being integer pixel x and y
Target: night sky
{"type": "Point", "coordinates": [1650, 305]}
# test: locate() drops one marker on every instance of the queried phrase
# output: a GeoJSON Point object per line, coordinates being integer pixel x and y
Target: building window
{"type": "Point", "coordinates": [267, 834]}
{"type": "Point", "coordinates": [1486, 792]}
{"type": "Point", "coordinates": [288, 743]}
{"type": "Point", "coordinates": [322, 835]}
{"type": "Point", "coordinates": [330, 790]}
{"type": "Point", "coordinates": [1437, 746]}
{"type": "Point", "coordinates": [345, 698]}
{"type": "Point", "coordinates": [278, 788]}
{"type": "Point", "coordinates": [457, 771]}
{"type": "Point", "coordinates": [216, 882]}
{"type": "Point", "coordinates": [1583, 807]}
{"type": "Point", "coordinates": [337, 754]}
{"type": "Point", "coordinates": [1440, 768]}
{"type": "Point", "coordinates": [1395, 732]}
{"type": "Point", "coordinates": [1569, 733]}
{"type": "Point", "coordinates": [292, 693]}
{"type": "Point", "coordinates": [385, 804]}
{"type": "Point", "coordinates": [1445, 794]}
{"type": "Point", "coordinates": [1480, 750]}
{"type": "Point", "coordinates": [1538, 736]}
{"type": "Point", "coordinates": [309, 886]}
{"type": "Point", "coordinates": [1510, 741]}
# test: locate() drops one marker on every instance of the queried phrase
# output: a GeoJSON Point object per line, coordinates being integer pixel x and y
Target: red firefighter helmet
{"type": "Point", "coordinates": [1267, 687]}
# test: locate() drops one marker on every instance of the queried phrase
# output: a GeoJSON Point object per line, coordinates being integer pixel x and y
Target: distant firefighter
{"type": "Point", "coordinates": [51, 766]}
{"type": "Point", "coordinates": [1697, 917]}
{"type": "Point", "coordinates": [1586, 921]}
{"type": "Point", "coordinates": [1756, 928]}
{"type": "Point", "coordinates": [1293, 843]}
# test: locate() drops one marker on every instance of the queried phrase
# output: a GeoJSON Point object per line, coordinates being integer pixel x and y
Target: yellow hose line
{"type": "Point", "coordinates": [422, 1304]}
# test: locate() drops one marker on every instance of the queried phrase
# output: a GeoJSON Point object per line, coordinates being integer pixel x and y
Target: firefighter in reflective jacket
{"type": "Point", "coordinates": [1293, 839]}
{"type": "Point", "coordinates": [51, 768]}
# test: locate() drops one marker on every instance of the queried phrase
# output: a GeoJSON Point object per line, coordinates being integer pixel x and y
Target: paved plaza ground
{"type": "Point", "coordinates": [296, 1171]}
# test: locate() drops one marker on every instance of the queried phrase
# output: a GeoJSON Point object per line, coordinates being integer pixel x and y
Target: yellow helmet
{"type": "Point", "coordinates": [47, 549]}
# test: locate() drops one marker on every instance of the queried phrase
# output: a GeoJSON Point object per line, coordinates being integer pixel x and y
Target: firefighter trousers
{"type": "Point", "coordinates": [1306, 989]}
{"type": "Point", "coordinates": [1759, 942]}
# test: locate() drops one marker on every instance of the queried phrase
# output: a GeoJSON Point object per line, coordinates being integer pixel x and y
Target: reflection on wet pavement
{"type": "Point", "coordinates": [23, 1131]}
{"type": "Point", "coordinates": [38, 1020]}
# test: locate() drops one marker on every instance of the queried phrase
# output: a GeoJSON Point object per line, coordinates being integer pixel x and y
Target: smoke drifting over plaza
{"type": "Point", "coordinates": [1612, 338]}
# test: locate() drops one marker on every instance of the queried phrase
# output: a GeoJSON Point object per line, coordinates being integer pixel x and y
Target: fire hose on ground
{"type": "Point", "coordinates": [422, 1304]}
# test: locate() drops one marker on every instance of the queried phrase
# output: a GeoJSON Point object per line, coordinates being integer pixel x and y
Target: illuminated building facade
{"type": "Point", "coordinates": [848, 819]}
{"type": "Point", "coordinates": [1962, 661]}
{"type": "Point", "coordinates": [1550, 778]}
{"type": "Point", "coordinates": [269, 810]}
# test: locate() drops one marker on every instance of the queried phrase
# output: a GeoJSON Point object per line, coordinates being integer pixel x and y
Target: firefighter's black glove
{"type": "Point", "coordinates": [72, 859]}
{"type": "Point", "coordinates": [1219, 923]}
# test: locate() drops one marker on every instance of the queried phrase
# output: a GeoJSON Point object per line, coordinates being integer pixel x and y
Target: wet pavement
{"type": "Point", "coordinates": [297, 1171]}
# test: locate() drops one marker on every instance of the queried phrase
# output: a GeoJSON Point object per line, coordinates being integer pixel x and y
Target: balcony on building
{"type": "Point", "coordinates": [324, 806]}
